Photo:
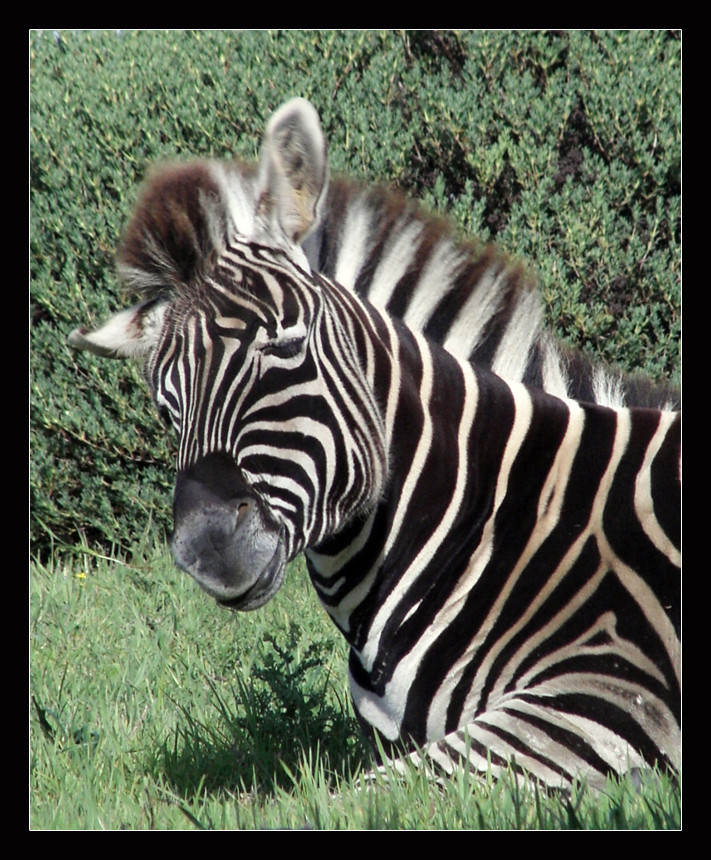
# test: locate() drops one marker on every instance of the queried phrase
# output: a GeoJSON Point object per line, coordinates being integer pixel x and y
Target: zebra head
{"type": "Point", "coordinates": [251, 361]}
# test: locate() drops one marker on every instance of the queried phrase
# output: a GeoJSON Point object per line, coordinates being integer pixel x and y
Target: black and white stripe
{"type": "Point", "coordinates": [503, 563]}
{"type": "Point", "coordinates": [519, 583]}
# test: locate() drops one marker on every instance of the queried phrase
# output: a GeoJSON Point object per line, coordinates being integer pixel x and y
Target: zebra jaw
{"type": "Point", "coordinates": [223, 538]}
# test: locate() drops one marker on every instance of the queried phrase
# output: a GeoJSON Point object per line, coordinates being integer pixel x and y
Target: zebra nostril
{"type": "Point", "coordinates": [237, 518]}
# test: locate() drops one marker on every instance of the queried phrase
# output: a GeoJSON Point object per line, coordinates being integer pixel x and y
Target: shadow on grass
{"type": "Point", "coordinates": [264, 729]}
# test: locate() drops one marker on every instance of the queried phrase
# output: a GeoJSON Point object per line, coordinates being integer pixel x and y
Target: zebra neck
{"type": "Point", "coordinates": [457, 431]}
{"type": "Point", "coordinates": [476, 485]}
{"type": "Point", "coordinates": [502, 504]}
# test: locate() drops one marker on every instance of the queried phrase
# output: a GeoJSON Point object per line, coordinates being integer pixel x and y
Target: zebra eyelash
{"type": "Point", "coordinates": [283, 349]}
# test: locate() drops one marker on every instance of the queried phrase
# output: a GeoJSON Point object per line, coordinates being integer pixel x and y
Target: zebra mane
{"type": "Point", "coordinates": [413, 264]}
{"type": "Point", "coordinates": [178, 228]}
{"type": "Point", "coordinates": [466, 295]}
{"type": "Point", "coordinates": [371, 239]}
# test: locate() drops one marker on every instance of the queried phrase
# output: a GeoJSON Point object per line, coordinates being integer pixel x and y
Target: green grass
{"type": "Point", "coordinates": [143, 689]}
{"type": "Point", "coordinates": [152, 708]}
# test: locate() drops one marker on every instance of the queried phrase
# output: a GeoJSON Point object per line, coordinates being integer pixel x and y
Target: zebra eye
{"type": "Point", "coordinates": [288, 348]}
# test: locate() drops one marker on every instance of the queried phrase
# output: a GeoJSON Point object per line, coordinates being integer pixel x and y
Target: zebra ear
{"type": "Point", "coordinates": [293, 170]}
{"type": "Point", "coordinates": [127, 334]}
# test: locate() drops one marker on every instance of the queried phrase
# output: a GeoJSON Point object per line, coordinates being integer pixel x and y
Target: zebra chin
{"type": "Point", "coordinates": [223, 538]}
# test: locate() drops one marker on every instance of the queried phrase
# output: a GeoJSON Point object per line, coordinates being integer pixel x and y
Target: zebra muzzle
{"type": "Point", "coordinates": [222, 536]}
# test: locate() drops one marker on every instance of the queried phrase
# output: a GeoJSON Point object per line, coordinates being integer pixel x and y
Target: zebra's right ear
{"type": "Point", "coordinates": [293, 171]}
{"type": "Point", "coordinates": [128, 334]}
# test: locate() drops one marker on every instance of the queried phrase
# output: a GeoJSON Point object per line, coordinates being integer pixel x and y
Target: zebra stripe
{"type": "Point", "coordinates": [485, 595]}
{"type": "Point", "coordinates": [504, 564]}
{"type": "Point", "coordinates": [567, 471]}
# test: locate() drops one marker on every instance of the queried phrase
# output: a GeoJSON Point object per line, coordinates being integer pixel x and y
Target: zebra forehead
{"type": "Point", "coordinates": [248, 290]}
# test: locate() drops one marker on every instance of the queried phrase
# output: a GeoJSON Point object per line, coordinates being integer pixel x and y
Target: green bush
{"type": "Point", "coordinates": [562, 146]}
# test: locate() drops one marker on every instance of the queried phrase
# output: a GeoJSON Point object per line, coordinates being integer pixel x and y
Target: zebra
{"type": "Point", "coordinates": [503, 563]}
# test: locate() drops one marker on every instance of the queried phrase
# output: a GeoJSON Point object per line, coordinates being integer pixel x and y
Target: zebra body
{"type": "Point", "coordinates": [503, 563]}
{"type": "Point", "coordinates": [466, 595]}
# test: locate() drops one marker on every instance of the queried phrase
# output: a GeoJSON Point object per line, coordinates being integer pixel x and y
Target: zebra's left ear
{"type": "Point", "coordinates": [127, 334]}
{"type": "Point", "coordinates": [293, 170]}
